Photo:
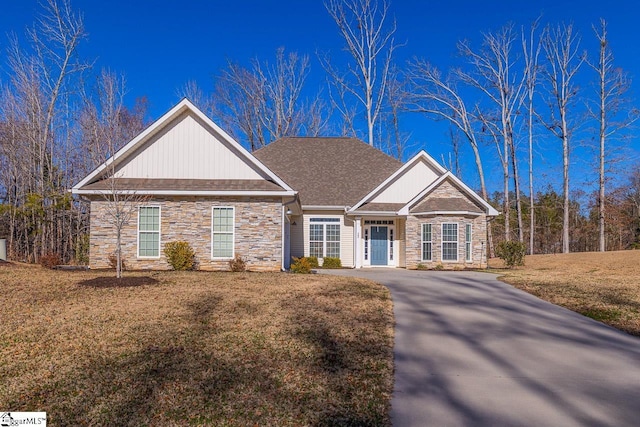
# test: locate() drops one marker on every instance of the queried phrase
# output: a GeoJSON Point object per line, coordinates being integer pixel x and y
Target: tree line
{"type": "Point", "coordinates": [514, 92]}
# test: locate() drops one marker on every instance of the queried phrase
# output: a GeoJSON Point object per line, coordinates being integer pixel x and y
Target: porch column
{"type": "Point", "coordinates": [357, 247]}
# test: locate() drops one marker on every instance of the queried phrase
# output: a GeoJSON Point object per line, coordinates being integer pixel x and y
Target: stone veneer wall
{"type": "Point", "coordinates": [258, 232]}
{"type": "Point", "coordinates": [478, 234]}
{"type": "Point", "coordinates": [478, 241]}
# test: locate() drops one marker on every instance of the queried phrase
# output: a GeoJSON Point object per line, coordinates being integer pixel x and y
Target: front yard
{"type": "Point", "coordinates": [603, 286]}
{"type": "Point", "coordinates": [195, 348]}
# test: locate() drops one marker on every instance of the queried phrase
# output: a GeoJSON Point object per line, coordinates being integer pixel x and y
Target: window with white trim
{"type": "Point", "coordinates": [222, 232]}
{"type": "Point", "coordinates": [427, 245]}
{"type": "Point", "coordinates": [324, 237]}
{"type": "Point", "coordinates": [450, 242]}
{"type": "Point", "coordinates": [467, 242]}
{"type": "Point", "coordinates": [149, 232]}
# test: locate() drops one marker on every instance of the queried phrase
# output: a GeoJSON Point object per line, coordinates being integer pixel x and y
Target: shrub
{"type": "Point", "coordinates": [512, 253]}
{"type": "Point", "coordinates": [113, 262]}
{"type": "Point", "coordinates": [50, 260]}
{"type": "Point", "coordinates": [330, 262]}
{"type": "Point", "coordinates": [179, 255]}
{"type": "Point", "coordinates": [301, 265]}
{"type": "Point", "coordinates": [313, 261]}
{"type": "Point", "coordinates": [439, 267]}
{"type": "Point", "coordinates": [238, 264]}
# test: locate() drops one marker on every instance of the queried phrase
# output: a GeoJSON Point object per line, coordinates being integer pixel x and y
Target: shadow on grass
{"type": "Point", "coordinates": [114, 282]}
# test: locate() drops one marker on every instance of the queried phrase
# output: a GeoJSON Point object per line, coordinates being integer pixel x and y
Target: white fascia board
{"type": "Point", "coordinates": [182, 106]}
{"type": "Point", "coordinates": [490, 210]}
{"type": "Point", "coordinates": [184, 193]}
{"type": "Point", "coordinates": [373, 213]}
{"type": "Point", "coordinates": [464, 213]}
{"type": "Point", "coordinates": [323, 208]}
{"type": "Point", "coordinates": [421, 155]}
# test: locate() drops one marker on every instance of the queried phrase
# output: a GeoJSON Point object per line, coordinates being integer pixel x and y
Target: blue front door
{"type": "Point", "coordinates": [379, 255]}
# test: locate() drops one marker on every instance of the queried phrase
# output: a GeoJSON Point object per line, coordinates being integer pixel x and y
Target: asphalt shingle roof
{"type": "Point", "coordinates": [328, 171]}
{"type": "Point", "coordinates": [140, 184]}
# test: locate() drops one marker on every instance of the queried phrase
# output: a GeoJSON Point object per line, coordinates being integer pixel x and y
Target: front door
{"type": "Point", "coordinates": [379, 254]}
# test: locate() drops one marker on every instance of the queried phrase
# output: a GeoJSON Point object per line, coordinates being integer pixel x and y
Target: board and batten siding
{"type": "Point", "coordinates": [187, 149]}
{"type": "Point", "coordinates": [297, 236]}
{"type": "Point", "coordinates": [346, 235]}
{"type": "Point", "coordinates": [408, 185]}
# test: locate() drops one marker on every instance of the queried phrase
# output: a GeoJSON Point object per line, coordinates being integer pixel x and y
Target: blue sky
{"type": "Point", "coordinates": [160, 45]}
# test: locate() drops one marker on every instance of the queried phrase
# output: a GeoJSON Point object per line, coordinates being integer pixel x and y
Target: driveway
{"type": "Point", "coordinates": [473, 351]}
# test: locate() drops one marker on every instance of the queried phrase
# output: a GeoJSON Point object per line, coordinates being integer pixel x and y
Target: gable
{"type": "Point", "coordinates": [447, 197]}
{"type": "Point", "coordinates": [186, 149]}
{"type": "Point", "coordinates": [408, 185]}
{"type": "Point", "coordinates": [181, 150]}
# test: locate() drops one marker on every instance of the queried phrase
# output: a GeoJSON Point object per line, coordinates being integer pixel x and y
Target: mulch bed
{"type": "Point", "coordinates": [114, 282]}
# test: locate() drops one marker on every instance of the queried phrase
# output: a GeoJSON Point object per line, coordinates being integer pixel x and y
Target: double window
{"type": "Point", "coordinates": [149, 232]}
{"type": "Point", "coordinates": [324, 237]}
{"type": "Point", "coordinates": [222, 232]}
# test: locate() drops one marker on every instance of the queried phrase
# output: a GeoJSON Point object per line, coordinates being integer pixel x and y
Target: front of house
{"type": "Point", "coordinates": [326, 197]}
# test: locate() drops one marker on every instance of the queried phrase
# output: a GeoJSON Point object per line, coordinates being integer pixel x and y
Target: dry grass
{"type": "Point", "coordinates": [603, 286]}
{"type": "Point", "coordinates": [189, 348]}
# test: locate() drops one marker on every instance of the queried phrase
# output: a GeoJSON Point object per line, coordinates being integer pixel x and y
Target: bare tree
{"type": "Point", "coordinates": [37, 111]}
{"type": "Point", "coordinates": [437, 96]}
{"type": "Point", "coordinates": [197, 96]}
{"type": "Point", "coordinates": [531, 50]}
{"type": "Point", "coordinates": [397, 98]}
{"type": "Point", "coordinates": [493, 73]}
{"type": "Point", "coordinates": [563, 60]}
{"type": "Point", "coordinates": [265, 102]}
{"type": "Point", "coordinates": [107, 125]}
{"type": "Point", "coordinates": [613, 83]}
{"type": "Point", "coordinates": [370, 45]}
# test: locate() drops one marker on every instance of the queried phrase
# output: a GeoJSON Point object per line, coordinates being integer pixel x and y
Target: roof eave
{"type": "Point", "coordinates": [183, 193]}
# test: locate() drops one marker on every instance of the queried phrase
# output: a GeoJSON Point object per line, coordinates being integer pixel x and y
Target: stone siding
{"type": "Point", "coordinates": [258, 232]}
{"type": "Point", "coordinates": [414, 234]}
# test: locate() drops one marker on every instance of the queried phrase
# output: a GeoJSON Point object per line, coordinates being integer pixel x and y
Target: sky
{"type": "Point", "coordinates": [160, 45]}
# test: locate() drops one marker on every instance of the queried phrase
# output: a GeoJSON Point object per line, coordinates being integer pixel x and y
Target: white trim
{"type": "Point", "coordinates": [358, 250]}
{"type": "Point", "coordinates": [324, 235]}
{"type": "Point", "coordinates": [442, 242]}
{"type": "Point", "coordinates": [233, 234]}
{"type": "Point", "coordinates": [323, 208]}
{"type": "Point", "coordinates": [374, 213]}
{"type": "Point", "coordinates": [409, 164]}
{"type": "Point", "coordinates": [490, 210]}
{"type": "Point", "coordinates": [182, 106]}
{"type": "Point", "coordinates": [187, 193]}
{"type": "Point", "coordinates": [422, 241]}
{"type": "Point", "coordinates": [366, 229]}
{"type": "Point", "coordinates": [468, 255]}
{"type": "Point", "coordinates": [159, 232]}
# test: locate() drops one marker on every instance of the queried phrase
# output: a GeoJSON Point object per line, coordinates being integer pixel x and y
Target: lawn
{"type": "Point", "coordinates": [195, 348]}
{"type": "Point", "coordinates": [603, 286]}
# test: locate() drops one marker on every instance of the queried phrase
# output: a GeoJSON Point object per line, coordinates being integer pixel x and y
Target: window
{"type": "Point", "coordinates": [391, 244]}
{"type": "Point", "coordinates": [467, 242]}
{"type": "Point", "coordinates": [426, 242]}
{"type": "Point", "coordinates": [450, 242]}
{"type": "Point", "coordinates": [324, 237]}
{"type": "Point", "coordinates": [149, 232]}
{"type": "Point", "coordinates": [222, 229]}
{"type": "Point", "coordinates": [366, 244]}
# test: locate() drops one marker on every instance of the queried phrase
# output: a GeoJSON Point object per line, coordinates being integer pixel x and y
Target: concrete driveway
{"type": "Point", "coordinates": [473, 351]}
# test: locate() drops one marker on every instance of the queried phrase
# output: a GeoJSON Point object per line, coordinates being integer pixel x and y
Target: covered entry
{"type": "Point", "coordinates": [378, 243]}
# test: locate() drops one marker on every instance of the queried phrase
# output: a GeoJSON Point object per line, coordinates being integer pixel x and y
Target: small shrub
{"type": "Point", "coordinates": [180, 255]}
{"type": "Point", "coordinates": [421, 266]}
{"type": "Point", "coordinates": [330, 262]}
{"type": "Point", "coordinates": [238, 264]}
{"type": "Point", "coordinates": [439, 267]}
{"type": "Point", "coordinates": [313, 261]}
{"type": "Point", "coordinates": [113, 262]}
{"type": "Point", "coordinates": [301, 265]}
{"type": "Point", "coordinates": [50, 260]}
{"type": "Point", "coordinates": [512, 253]}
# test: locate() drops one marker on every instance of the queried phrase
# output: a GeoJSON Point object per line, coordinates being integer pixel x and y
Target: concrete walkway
{"type": "Point", "coordinates": [473, 351]}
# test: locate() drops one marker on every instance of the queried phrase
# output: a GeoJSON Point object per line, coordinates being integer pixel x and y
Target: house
{"type": "Point", "coordinates": [323, 197]}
